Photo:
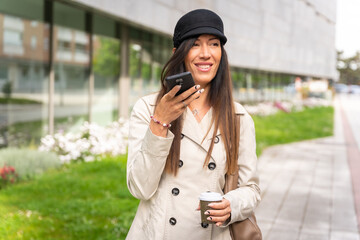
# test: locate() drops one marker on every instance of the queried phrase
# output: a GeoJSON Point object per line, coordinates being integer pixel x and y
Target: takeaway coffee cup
{"type": "Point", "coordinates": [205, 199]}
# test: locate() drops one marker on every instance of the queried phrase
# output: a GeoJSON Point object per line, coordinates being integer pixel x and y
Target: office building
{"type": "Point", "coordinates": [66, 62]}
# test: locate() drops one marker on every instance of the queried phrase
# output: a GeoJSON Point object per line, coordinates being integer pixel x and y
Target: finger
{"type": "Point", "coordinates": [183, 104]}
{"type": "Point", "coordinates": [188, 92]}
{"type": "Point", "coordinates": [218, 219]}
{"type": "Point", "coordinates": [221, 205]}
{"type": "Point", "coordinates": [218, 224]}
{"type": "Point", "coordinates": [221, 212]}
{"type": "Point", "coordinates": [198, 208]}
{"type": "Point", "coordinates": [193, 97]}
{"type": "Point", "coordinates": [173, 91]}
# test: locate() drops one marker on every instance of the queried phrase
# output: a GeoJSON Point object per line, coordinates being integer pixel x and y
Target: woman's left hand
{"type": "Point", "coordinates": [219, 212]}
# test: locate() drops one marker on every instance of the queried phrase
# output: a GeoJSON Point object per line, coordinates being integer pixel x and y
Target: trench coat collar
{"type": "Point", "coordinates": [192, 129]}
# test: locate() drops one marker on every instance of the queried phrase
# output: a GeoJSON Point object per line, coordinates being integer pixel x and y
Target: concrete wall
{"type": "Point", "coordinates": [290, 36]}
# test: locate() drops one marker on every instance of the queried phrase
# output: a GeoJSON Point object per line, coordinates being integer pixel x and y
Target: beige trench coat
{"type": "Point", "coordinates": [167, 209]}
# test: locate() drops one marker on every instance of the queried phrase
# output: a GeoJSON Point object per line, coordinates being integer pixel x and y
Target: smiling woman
{"type": "Point", "coordinates": [183, 145]}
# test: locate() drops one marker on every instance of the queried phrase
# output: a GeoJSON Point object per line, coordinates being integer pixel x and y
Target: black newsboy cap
{"type": "Point", "coordinates": [197, 22]}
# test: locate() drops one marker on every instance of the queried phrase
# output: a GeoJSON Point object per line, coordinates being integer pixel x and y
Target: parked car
{"type": "Point", "coordinates": [341, 88]}
{"type": "Point", "coordinates": [355, 89]}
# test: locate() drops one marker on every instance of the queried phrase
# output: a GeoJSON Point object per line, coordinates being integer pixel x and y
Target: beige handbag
{"type": "Point", "coordinates": [248, 228]}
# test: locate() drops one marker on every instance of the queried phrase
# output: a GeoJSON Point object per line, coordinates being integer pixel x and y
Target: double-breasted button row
{"type": "Point", "coordinates": [204, 225]}
{"type": "Point", "coordinates": [175, 191]}
{"type": "Point", "coordinates": [181, 163]}
{"type": "Point", "coordinates": [212, 166]}
{"type": "Point", "coordinates": [172, 221]}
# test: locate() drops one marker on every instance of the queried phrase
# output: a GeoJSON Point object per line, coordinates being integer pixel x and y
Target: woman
{"type": "Point", "coordinates": [181, 146]}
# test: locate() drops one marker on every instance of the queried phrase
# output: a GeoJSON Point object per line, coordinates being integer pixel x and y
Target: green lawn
{"type": "Point", "coordinates": [18, 101]}
{"type": "Point", "coordinates": [91, 200]}
{"type": "Point", "coordinates": [80, 201]}
{"type": "Point", "coordinates": [292, 127]}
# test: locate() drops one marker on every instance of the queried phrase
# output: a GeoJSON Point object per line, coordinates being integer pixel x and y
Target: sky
{"type": "Point", "coordinates": [348, 26]}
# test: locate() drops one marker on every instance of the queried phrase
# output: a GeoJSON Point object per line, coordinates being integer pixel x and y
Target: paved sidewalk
{"type": "Point", "coordinates": [307, 191]}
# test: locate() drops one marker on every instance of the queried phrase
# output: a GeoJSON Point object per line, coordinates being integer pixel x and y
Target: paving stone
{"type": "Point", "coordinates": [336, 235]}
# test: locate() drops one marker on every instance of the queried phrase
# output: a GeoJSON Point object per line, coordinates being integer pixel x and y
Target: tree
{"type": "Point", "coordinates": [106, 58]}
{"type": "Point", "coordinates": [349, 68]}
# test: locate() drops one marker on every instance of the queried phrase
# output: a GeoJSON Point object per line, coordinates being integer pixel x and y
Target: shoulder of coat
{"type": "Point", "coordinates": [239, 109]}
{"type": "Point", "coordinates": [145, 104]}
{"type": "Point", "coordinates": [150, 99]}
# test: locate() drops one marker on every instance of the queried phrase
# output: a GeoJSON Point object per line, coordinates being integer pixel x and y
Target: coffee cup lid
{"type": "Point", "coordinates": [210, 196]}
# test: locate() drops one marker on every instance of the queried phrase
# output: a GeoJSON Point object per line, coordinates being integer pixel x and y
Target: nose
{"type": "Point", "coordinates": [204, 51]}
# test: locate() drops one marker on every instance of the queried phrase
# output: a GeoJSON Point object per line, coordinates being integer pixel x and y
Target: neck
{"type": "Point", "coordinates": [200, 106]}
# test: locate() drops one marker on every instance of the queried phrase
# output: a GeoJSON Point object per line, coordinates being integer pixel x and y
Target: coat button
{"type": "Point", "coordinates": [182, 136]}
{"type": "Point", "coordinates": [175, 191]}
{"type": "Point", "coordinates": [181, 163]}
{"type": "Point", "coordinates": [204, 225]}
{"type": "Point", "coordinates": [212, 166]}
{"type": "Point", "coordinates": [172, 221]}
{"type": "Point", "coordinates": [217, 139]}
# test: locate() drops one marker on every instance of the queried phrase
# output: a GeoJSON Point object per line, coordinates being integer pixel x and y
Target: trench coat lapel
{"type": "Point", "coordinates": [193, 130]}
{"type": "Point", "coordinates": [196, 131]}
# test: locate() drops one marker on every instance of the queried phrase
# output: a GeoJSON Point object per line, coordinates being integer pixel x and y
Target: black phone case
{"type": "Point", "coordinates": [184, 79]}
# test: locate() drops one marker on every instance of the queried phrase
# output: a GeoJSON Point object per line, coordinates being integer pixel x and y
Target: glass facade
{"type": "Point", "coordinates": [71, 54]}
{"type": "Point", "coordinates": [106, 70]}
{"type": "Point", "coordinates": [61, 65]}
{"type": "Point", "coordinates": [23, 72]}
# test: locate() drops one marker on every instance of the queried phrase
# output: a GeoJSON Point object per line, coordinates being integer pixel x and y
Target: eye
{"type": "Point", "coordinates": [196, 44]}
{"type": "Point", "coordinates": [215, 43]}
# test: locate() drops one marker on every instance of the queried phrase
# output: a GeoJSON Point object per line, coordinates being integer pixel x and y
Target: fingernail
{"type": "Point", "coordinates": [207, 213]}
{"type": "Point", "coordinates": [209, 218]}
{"type": "Point", "coordinates": [218, 224]}
{"type": "Point", "coordinates": [210, 204]}
{"type": "Point", "coordinates": [197, 86]}
{"type": "Point", "coordinates": [201, 91]}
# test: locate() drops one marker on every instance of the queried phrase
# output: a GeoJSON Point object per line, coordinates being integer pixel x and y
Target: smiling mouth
{"type": "Point", "coordinates": [203, 67]}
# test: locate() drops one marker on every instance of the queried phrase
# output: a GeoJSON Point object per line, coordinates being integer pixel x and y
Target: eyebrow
{"type": "Point", "coordinates": [214, 38]}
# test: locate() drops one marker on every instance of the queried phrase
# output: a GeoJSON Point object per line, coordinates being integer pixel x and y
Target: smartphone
{"type": "Point", "coordinates": [184, 79]}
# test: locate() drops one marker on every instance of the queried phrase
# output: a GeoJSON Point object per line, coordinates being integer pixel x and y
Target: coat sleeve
{"type": "Point", "coordinates": [147, 153]}
{"type": "Point", "coordinates": [246, 197]}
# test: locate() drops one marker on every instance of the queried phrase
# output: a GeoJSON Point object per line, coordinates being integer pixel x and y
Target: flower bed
{"type": "Point", "coordinates": [92, 142]}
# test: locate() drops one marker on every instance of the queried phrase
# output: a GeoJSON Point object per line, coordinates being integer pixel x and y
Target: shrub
{"type": "Point", "coordinates": [7, 175]}
{"type": "Point", "coordinates": [28, 163]}
{"type": "Point", "coordinates": [7, 89]}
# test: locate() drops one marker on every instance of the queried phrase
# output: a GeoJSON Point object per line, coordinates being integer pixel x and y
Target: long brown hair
{"type": "Point", "coordinates": [219, 97]}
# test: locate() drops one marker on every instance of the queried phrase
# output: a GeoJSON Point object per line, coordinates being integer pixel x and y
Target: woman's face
{"type": "Point", "coordinates": [203, 59]}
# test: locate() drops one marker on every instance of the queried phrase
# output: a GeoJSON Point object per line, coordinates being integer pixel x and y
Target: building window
{"type": "Point", "coordinates": [33, 42]}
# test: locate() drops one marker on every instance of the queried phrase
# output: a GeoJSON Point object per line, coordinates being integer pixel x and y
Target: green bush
{"type": "Point", "coordinates": [7, 89]}
{"type": "Point", "coordinates": [28, 163]}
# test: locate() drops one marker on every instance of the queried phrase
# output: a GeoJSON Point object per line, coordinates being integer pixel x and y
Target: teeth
{"type": "Point", "coordinates": [204, 66]}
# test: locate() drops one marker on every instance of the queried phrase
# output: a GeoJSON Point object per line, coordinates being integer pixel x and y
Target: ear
{"type": "Point", "coordinates": [173, 50]}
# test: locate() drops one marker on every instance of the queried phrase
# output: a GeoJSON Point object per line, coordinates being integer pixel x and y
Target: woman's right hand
{"type": "Point", "coordinates": [171, 107]}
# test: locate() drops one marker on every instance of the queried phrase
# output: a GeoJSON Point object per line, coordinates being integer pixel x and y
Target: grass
{"type": "Point", "coordinates": [284, 128]}
{"type": "Point", "coordinates": [91, 200]}
{"type": "Point", "coordinates": [18, 101]}
{"type": "Point", "coordinates": [80, 201]}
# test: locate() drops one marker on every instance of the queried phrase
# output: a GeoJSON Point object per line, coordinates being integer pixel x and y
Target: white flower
{"type": "Point", "coordinates": [92, 141]}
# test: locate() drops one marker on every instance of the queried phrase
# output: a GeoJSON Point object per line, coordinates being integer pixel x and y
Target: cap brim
{"type": "Point", "coordinates": [204, 30]}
